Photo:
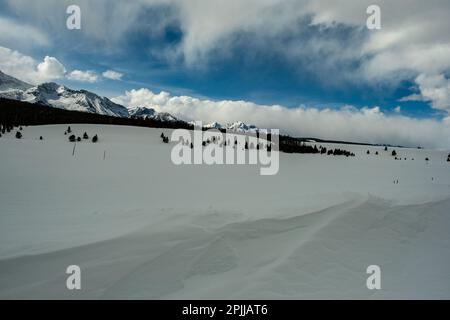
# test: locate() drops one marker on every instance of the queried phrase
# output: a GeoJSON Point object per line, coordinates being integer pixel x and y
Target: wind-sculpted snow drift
{"type": "Point", "coordinates": [141, 227]}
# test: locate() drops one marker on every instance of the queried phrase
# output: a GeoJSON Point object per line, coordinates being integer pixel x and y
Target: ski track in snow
{"type": "Point", "coordinates": [164, 234]}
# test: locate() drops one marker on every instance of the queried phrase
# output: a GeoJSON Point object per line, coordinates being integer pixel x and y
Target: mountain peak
{"type": "Point", "coordinates": [150, 113]}
{"type": "Point", "coordinates": [9, 83]}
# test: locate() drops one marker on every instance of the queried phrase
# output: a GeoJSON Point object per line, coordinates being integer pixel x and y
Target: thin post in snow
{"type": "Point", "coordinates": [73, 151]}
{"type": "Point", "coordinates": [104, 155]}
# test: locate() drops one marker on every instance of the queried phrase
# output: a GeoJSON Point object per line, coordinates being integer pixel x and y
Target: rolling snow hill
{"type": "Point", "coordinates": [141, 227]}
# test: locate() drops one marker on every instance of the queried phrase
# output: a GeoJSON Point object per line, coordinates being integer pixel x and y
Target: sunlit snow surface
{"type": "Point", "coordinates": [141, 227]}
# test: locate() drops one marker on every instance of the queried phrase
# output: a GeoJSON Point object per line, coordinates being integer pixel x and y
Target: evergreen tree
{"type": "Point", "coordinates": [94, 139]}
{"type": "Point", "coordinates": [72, 138]}
{"type": "Point", "coordinates": [18, 135]}
{"type": "Point", "coordinates": [85, 136]}
{"type": "Point", "coordinates": [394, 153]}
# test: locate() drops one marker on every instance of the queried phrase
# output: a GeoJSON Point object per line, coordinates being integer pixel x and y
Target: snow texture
{"type": "Point", "coordinates": [140, 227]}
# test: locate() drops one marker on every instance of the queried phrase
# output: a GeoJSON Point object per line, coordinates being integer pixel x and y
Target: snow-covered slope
{"type": "Point", "coordinates": [59, 96]}
{"type": "Point", "coordinates": [141, 112]}
{"type": "Point", "coordinates": [8, 83]}
{"type": "Point", "coordinates": [141, 227]}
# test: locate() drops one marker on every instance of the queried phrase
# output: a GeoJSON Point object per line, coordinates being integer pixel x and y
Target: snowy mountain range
{"type": "Point", "coordinates": [55, 95]}
{"type": "Point", "coordinates": [150, 113]}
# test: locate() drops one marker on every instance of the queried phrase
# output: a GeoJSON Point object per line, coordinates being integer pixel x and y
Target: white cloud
{"type": "Point", "coordinates": [27, 69]}
{"type": "Point", "coordinates": [414, 38]}
{"type": "Point", "coordinates": [83, 76]}
{"type": "Point", "coordinates": [348, 123]}
{"type": "Point", "coordinates": [51, 69]}
{"type": "Point", "coordinates": [411, 97]}
{"type": "Point", "coordinates": [19, 34]}
{"type": "Point", "coordinates": [113, 75]}
{"type": "Point", "coordinates": [434, 89]}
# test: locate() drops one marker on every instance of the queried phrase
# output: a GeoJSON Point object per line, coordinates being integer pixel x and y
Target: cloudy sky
{"type": "Point", "coordinates": [306, 67]}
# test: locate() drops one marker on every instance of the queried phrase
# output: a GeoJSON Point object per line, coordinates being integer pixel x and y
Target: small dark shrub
{"type": "Point", "coordinates": [72, 138]}
{"type": "Point", "coordinates": [18, 135]}
{"type": "Point", "coordinates": [94, 139]}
